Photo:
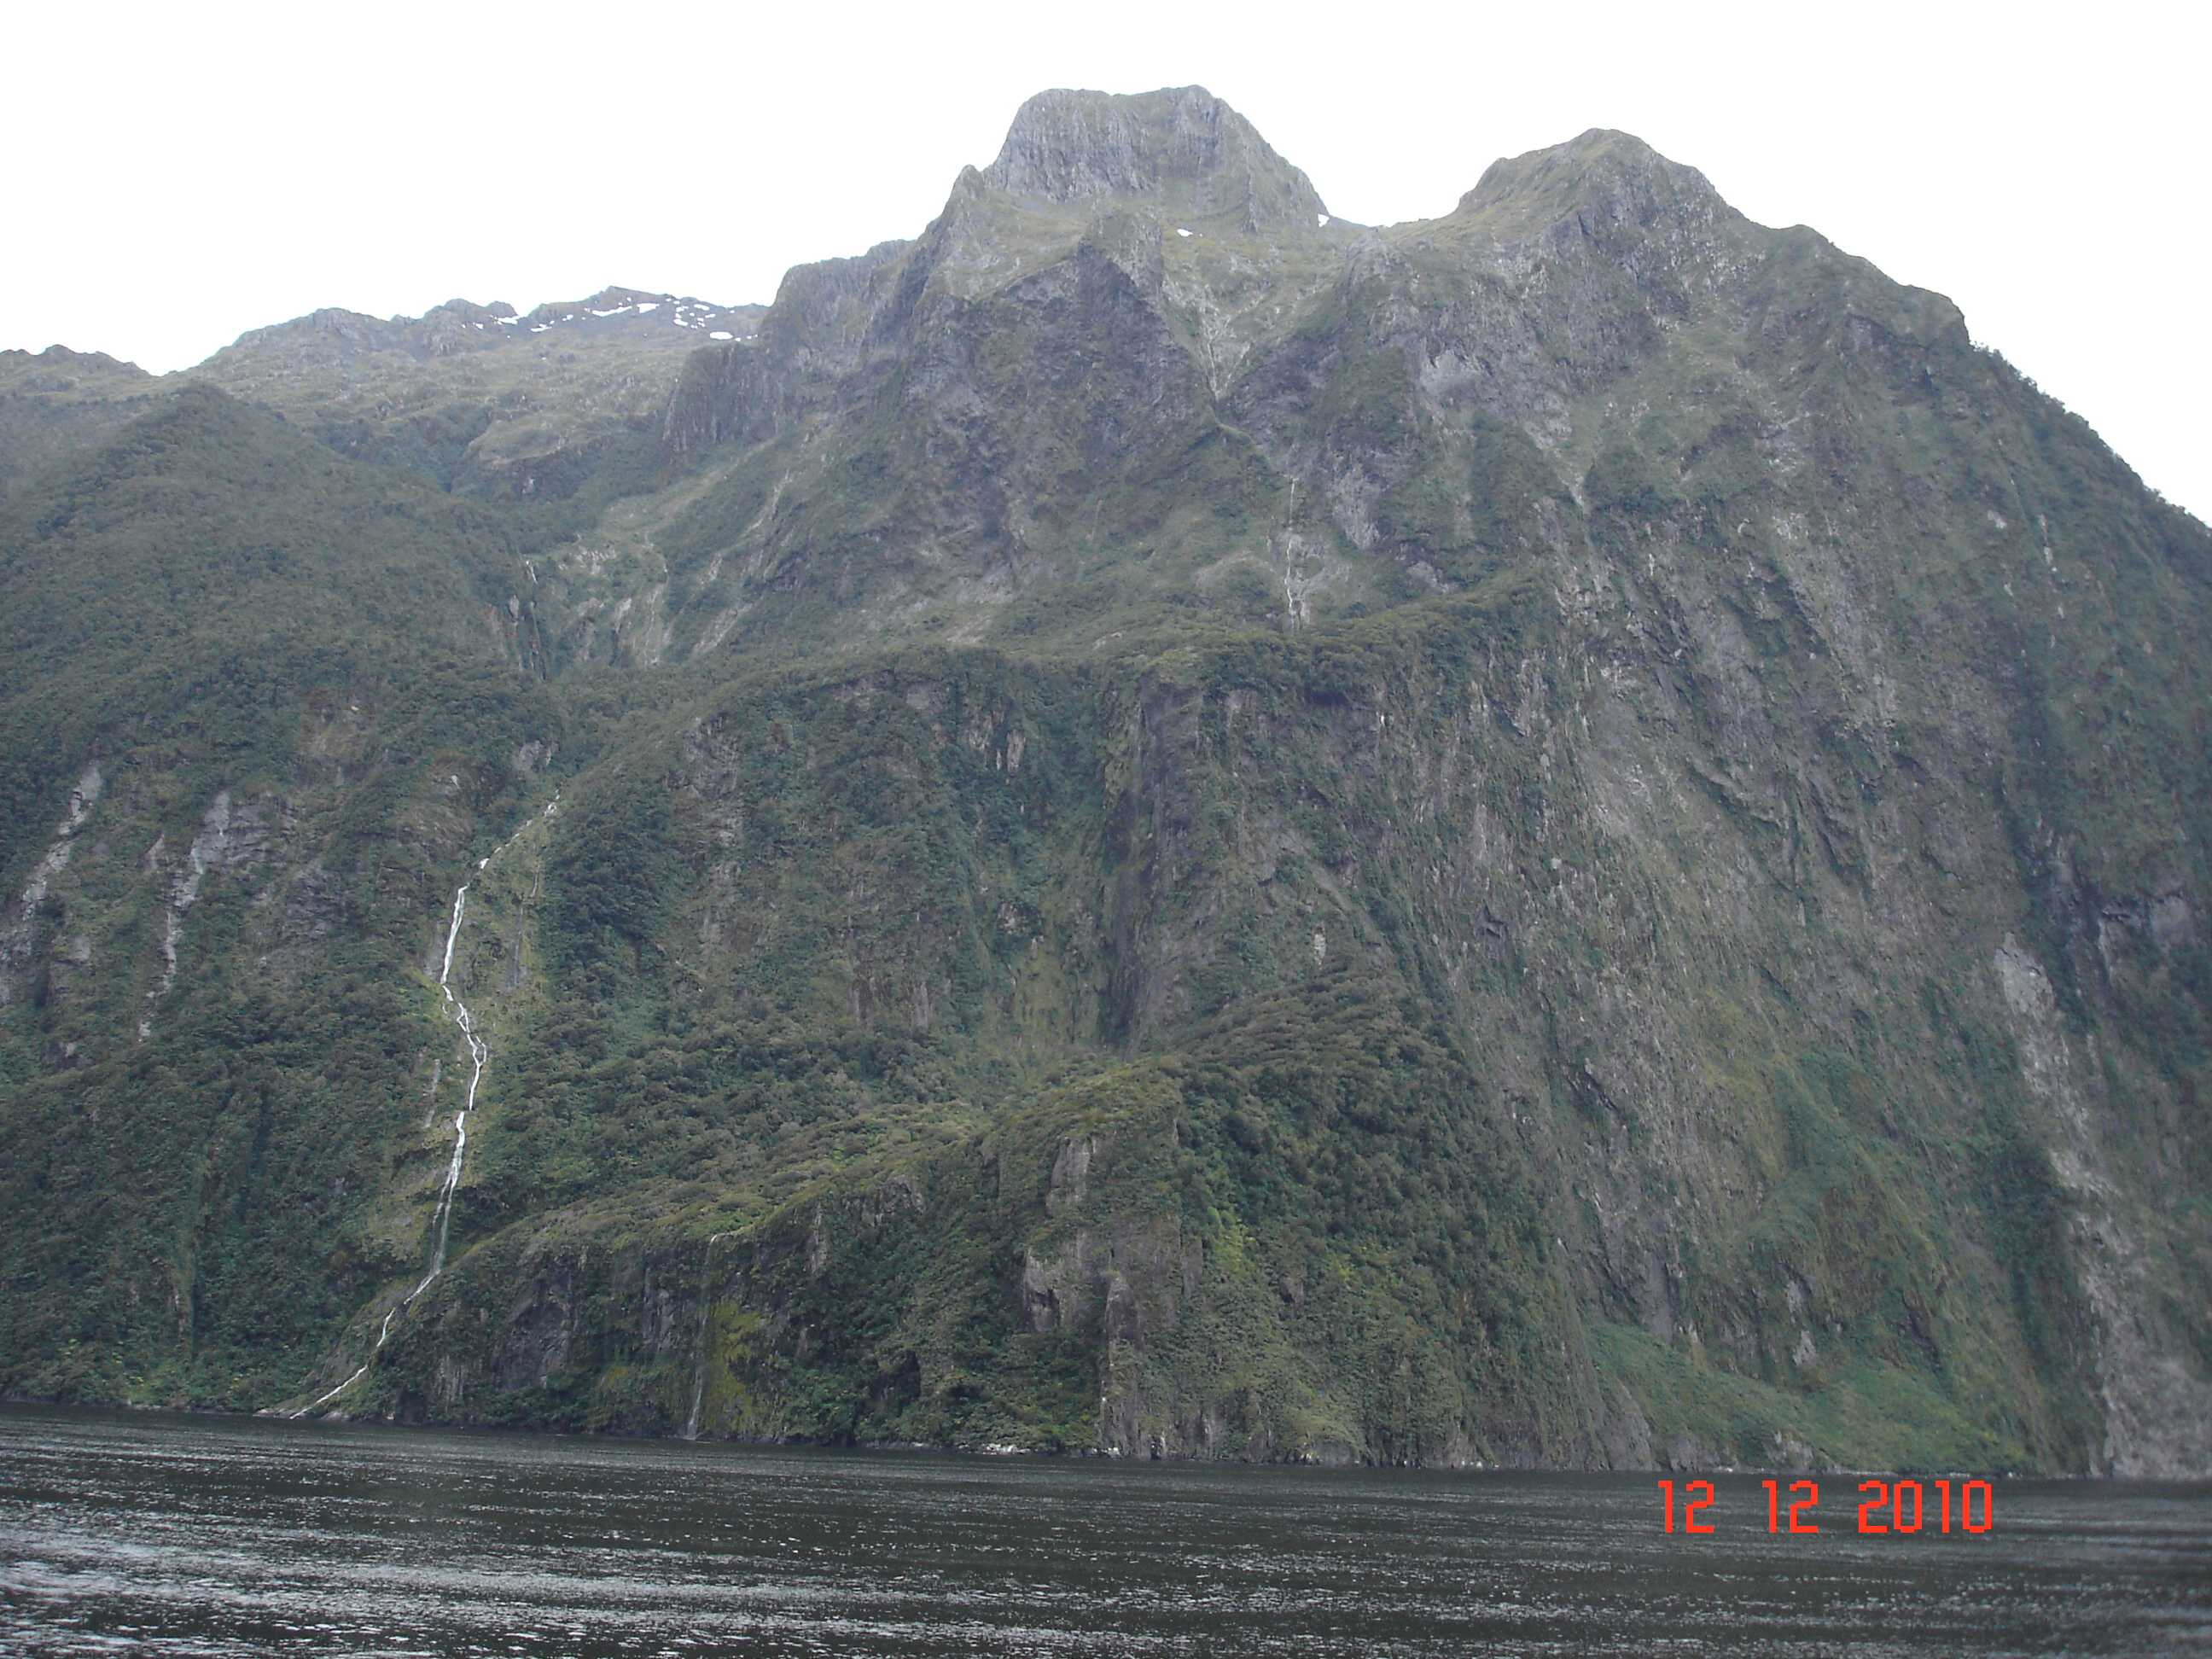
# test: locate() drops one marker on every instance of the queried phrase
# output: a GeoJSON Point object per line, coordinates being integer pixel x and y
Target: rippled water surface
{"type": "Point", "coordinates": [163, 1535]}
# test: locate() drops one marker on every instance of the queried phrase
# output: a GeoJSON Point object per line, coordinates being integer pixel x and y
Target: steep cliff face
{"type": "Point", "coordinates": [1286, 416]}
{"type": "Point", "coordinates": [1768, 1155]}
{"type": "Point", "coordinates": [1569, 834]}
{"type": "Point", "coordinates": [1185, 150]}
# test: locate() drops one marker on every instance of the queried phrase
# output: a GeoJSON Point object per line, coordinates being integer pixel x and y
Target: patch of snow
{"type": "Point", "coordinates": [644, 305]}
{"type": "Point", "coordinates": [504, 321]}
{"type": "Point", "coordinates": [719, 335]}
{"type": "Point", "coordinates": [1180, 231]}
{"type": "Point", "coordinates": [1321, 221]}
{"type": "Point", "coordinates": [539, 328]}
{"type": "Point", "coordinates": [617, 311]}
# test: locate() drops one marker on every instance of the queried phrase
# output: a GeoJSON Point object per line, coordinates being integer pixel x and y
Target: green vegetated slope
{"type": "Point", "coordinates": [55, 401]}
{"type": "Point", "coordinates": [1570, 834]}
{"type": "Point", "coordinates": [259, 701]}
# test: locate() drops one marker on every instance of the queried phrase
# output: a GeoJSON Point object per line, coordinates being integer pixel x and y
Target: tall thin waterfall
{"type": "Point", "coordinates": [479, 1054]}
{"type": "Point", "coordinates": [706, 1308]}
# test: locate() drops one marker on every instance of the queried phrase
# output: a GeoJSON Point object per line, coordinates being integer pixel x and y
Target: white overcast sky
{"type": "Point", "coordinates": [177, 174]}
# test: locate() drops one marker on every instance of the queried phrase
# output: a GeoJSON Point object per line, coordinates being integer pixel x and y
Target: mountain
{"type": "Point", "coordinates": [55, 402]}
{"type": "Point", "coordinates": [477, 399]}
{"type": "Point", "coordinates": [1571, 834]}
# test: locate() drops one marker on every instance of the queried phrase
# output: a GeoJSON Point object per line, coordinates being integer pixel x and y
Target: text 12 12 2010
{"type": "Point", "coordinates": [1907, 1508]}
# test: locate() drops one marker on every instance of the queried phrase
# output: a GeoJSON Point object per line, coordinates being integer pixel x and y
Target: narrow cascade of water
{"type": "Point", "coordinates": [706, 1308]}
{"type": "Point", "coordinates": [479, 1054]}
{"type": "Point", "coordinates": [380, 1336]}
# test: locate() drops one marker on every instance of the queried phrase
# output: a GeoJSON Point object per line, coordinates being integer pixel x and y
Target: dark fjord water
{"type": "Point", "coordinates": [160, 1534]}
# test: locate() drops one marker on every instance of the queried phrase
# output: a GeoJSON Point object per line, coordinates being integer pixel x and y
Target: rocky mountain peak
{"type": "Point", "coordinates": [1616, 174]}
{"type": "Point", "coordinates": [1182, 146]}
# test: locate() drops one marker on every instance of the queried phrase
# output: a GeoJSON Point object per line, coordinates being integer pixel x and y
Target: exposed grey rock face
{"type": "Point", "coordinates": [1616, 176]}
{"type": "Point", "coordinates": [18, 920]}
{"type": "Point", "coordinates": [228, 839]}
{"type": "Point", "coordinates": [1184, 147]}
{"type": "Point", "coordinates": [814, 334]}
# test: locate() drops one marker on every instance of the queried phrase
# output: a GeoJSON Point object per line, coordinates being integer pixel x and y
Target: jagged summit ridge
{"type": "Point", "coordinates": [461, 325]}
{"type": "Point", "coordinates": [1181, 143]}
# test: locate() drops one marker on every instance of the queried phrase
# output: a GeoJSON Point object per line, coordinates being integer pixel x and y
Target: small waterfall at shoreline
{"type": "Point", "coordinates": [706, 1309]}
{"type": "Point", "coordinates": [479, 1054]}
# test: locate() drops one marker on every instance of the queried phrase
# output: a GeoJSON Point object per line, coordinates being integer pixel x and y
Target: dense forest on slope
{"type": "Point", "coordinates": [1151, 822]}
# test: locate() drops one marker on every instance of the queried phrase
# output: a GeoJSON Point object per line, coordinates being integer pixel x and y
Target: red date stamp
{"type": "Point", "coordinates": [1885, 1506]}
